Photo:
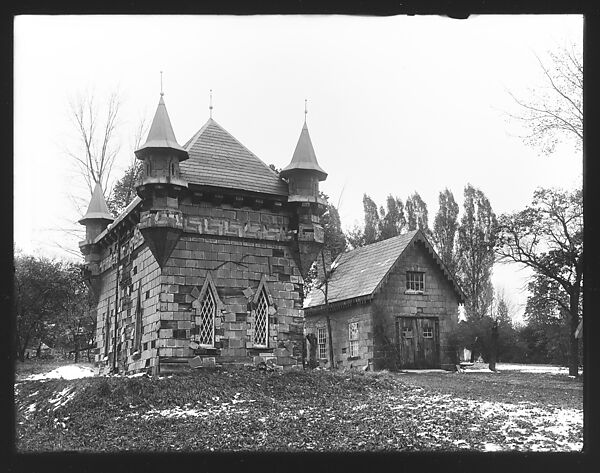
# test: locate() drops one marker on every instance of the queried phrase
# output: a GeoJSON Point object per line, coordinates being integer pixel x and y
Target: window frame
{"type": "Point", "coordinates": [353, 335]}
{"type": "Point", "coordinates": [415, 282]}
{"type": "Point", "coordinates": [262, 302]}
{"type": "Point", "coordinates": [207, 297]}
{"type": "Point", "coordinates": [322, 342]}
{"type": "Point", "coordinates": [404, 332]}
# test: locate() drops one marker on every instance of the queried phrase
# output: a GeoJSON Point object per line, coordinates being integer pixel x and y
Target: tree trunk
{"type": "Point", "coordinates": [331, 362]}
{"type": "Point", "coordinates": [494, 347]}
{"type": "Point", "coordinates": [574, 341]}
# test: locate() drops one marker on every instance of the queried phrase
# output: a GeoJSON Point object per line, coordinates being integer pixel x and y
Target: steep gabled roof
{"type": "Point", "coordinates": [217, 159]}
{"type": "Point", "coordinates": [361, 272]}
{"type": "Point", "coordinates": [304, 157]}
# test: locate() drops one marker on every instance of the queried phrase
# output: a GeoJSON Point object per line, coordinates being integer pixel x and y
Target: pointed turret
{"type": "Point", "coordinates": [161, 223]}
{"type": "Point", "coordinates": [304, 157]}
{"type": "Point", "coordinates": [97, 217]}
{"type": "Point", "coordinates": [303, 175]}
{"type": "Point", "coordinates": [161, 135]}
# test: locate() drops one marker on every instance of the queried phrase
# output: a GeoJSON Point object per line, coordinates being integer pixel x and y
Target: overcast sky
{"type": "Point", "coordinates": [395, 105]}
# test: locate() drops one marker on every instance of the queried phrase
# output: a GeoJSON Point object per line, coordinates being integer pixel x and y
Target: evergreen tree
{"type": "Point", "coordinates": [123, 191]}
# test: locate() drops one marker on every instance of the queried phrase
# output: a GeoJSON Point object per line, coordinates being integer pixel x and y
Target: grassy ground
{"type": "Point", "coordinates": [247, 410]}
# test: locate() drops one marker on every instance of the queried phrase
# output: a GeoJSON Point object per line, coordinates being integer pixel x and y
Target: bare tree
{"type": "Point", "coordinates": [124, 189]}
{"type": "Point", "coordinates": [97, 145]}
{"type": "Point", "coordinates": [555, 111]}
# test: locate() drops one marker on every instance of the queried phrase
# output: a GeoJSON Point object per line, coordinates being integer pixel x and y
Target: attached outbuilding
{"type": "Point", "coordinates": [392, 304]}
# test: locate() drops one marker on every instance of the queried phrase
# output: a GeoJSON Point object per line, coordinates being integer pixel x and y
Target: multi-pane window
{"type": "Point", "coordinates": [261, 321]}
{"type": "Point", "coordinates": [206, 314]}
{"type": "Point", "coordinates": [407, 332]}
{"type": "Point", "coordinates": [415, 281]}
{"type": "Point", "coordinates": [353, 337]}
{"type": "Point", "coordinates": [427, 332]}
{"type": "Point", "coordinates": [322, 342]}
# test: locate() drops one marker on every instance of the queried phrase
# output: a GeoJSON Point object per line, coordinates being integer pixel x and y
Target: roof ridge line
{"type": "Point", "coordinates": [381, 241]}
{"type": "Point", "coordinates": [192, 141]}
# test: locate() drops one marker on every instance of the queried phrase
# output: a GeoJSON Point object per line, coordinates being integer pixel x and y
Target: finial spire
{"type": "Point", "coordinates": [161, 85]}
{"type": "Point", "coordinates": [210, 107]}
{"type": "Point", "coordinates": [305, 109]}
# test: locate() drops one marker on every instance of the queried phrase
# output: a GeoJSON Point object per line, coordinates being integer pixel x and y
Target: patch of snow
{"type": "Point", "coordinates": [62, 397]}
{"type": "Point", "coordinates": [527, 368]}
{"type": "Point", "coordinates": [491, 447]}
{"type": "Point", "coordinates": [136, 375]}
{"type": "Point", "coordinates": [425, 371]}
{"type": "Point", "coordinates": [64, 372]}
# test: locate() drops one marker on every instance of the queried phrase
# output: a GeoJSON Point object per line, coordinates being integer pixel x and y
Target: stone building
{"type": "Point", "coordinates": [391, 304]}
{"type": "Point", "coordinates": [205, 266]}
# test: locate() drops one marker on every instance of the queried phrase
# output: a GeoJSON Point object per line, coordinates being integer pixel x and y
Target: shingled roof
{"type": "Point", "coordinates": [217, 159]}
{"type": "Point", "coordinates": [361, 272]}
{"type": "Point", "coordinates": [161, 134]}
{"type": "Point", "coordinates": [97, 210]}
{"type": "Point", "coordinates": [304, 157]}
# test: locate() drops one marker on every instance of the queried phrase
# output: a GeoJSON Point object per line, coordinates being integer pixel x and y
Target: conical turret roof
{"type": "Point", "coordinates": [304, 157]}
{"type": "Point", "coordinates": [97, 210]}
{"type": "Point", "coordinates": [161, 133]}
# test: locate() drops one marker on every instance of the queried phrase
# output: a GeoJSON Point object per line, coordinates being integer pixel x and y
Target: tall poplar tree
{"type": "Point", "coordinates": [476, 239]}
{"type": "Point", "coordinates": [416, 213]}
{"type": "Point", "coordinates": [445, 226]}
{"type": "Point", "coordinates": [392, 221]}
{"type": "Point", "coordinates": [372, 221]}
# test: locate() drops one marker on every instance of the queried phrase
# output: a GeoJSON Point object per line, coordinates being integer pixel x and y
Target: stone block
{"type": "Point", "coordinates": [195, 362]}
{"type": "Point", "coordinates": [281, 352]}
{"type": "Point", "coordinates": [286, 360]}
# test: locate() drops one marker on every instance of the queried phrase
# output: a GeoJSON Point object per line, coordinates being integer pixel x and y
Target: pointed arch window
{"type": "Point", "coordinates": [263, 307]}
{"type": "Point", "coordinates": [206, 314]}
{"type": "Point", "coordinates": [261, 321]}
{"type": "Point", "coordinates": [207, 307]}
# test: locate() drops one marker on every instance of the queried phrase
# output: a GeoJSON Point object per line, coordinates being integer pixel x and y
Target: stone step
{"type": "Point", "coordinates": [169, 368]}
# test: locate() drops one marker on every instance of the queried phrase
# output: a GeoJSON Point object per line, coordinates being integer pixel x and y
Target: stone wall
{"type": "Point", "coordinates": [237, 268]}
{"type": "Point", "coordinates": [138, 273]}
{"type": "Point", "coordinates": [438, 299]}
{"type": "Point", "coordinates": [242, 248]}
{"type": "Point", "coordinates": [340, 321]}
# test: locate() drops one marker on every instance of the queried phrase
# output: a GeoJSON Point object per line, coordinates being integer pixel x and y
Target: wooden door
{"type": "Point", "coordinates": [418, 340]}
